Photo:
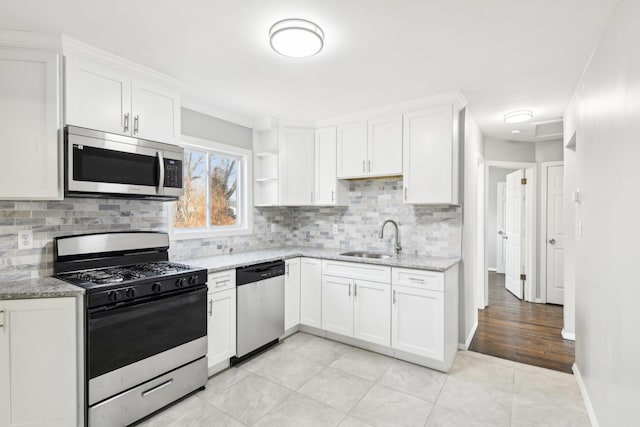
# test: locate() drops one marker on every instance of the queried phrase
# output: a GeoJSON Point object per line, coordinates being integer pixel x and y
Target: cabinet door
{"type": "Point", "coordinates": [31, 120]}
{"type": "Point", "coordinates": [326, 166]}
{"type": "Point", "coordinates": [311, 292]}
{"type": "Point", "coordinates": [38, 379]}
{"type": "Point", "coordinates": [428, 156]}
{"type": "Point", "coordinates": [372, 312]}
{"type": "Point", "coordinates": [222, 326]}
{"type": "Point", "coordinates": [292, 293]}
{"type": "Point", "coordinates": [337, 305]}
{"type": "Point", "coordinates": [418, 322]}
{"type": "Point", "coordinates": [155, 112]}
{"type": "Point", "coordinates": [97, 97]}
{"type": "Point", "coordinates": [352, 150]}
{"type": "Point", "coordinates": [296, 159]}
{"type": "Point", "coordinates": [385, 147]}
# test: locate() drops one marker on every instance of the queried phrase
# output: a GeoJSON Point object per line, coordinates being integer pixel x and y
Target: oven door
{"type": "Point", "coordinates": [131, 343]}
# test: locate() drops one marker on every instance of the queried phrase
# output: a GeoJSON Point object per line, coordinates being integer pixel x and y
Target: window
{"type": "Point", "coordinates": [216, 191]}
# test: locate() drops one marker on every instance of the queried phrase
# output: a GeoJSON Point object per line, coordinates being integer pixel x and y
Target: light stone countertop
{"type": "Point", "coordinates": [241, 259]}
{"type": "Point", "coordinates": [44, 287]}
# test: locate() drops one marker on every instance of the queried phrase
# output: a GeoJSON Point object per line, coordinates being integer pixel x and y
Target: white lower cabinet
{"type": "Point", "coordinates": [38, 363]}
{"type": "Point", "coordinates": [418, 321]}
{"type": "Point", "coordinates": [311, 292]}
{"type": "Point", "coordinates": [337, 305]}
{"type": "Point", "coordinates": [292, 293]}
{"type": "Point", "coordinates": [221, 312]}
{"type": "Point", "coordinates": [372, 312]}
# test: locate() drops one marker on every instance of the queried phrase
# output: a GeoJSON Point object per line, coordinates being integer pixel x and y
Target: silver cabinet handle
{"type": "Point", "coordinates": [394, 296]}
{"type": "Point", "coordinates": [355, 289]}
{"type": "Point", "coordinates": [369, 165]}
{"type": "Point", "coordinates": [126, 122]}
{"type": "Point", "coordinates": [405, 194]}
{"type": "Point", "coordinates": [288, 265]}
{"type": "Point", "coordinates": [333, 194]}
{"type": "Point", "coordinates": [221, 283]}
{"type": "Point", "coordinates": [363, 166]}
{"type": "Point", "coordinates": [415, 279]}
{"type": "Point", "coordinates": [349, 289]}
{"type": "Point", "coordinates": [552, 241]}
{"type": "Point", "coordinates": [156, 388]}
{"type": "Point", "coordinates": [210, 307]}
{"type": "Point", "coordinates": [1, 318]}
{"type": "Point", "coordinates": [136, 124]}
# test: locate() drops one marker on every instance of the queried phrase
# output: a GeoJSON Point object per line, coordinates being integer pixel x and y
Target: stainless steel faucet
{"type": "Point", "coordinates": [398, 248]}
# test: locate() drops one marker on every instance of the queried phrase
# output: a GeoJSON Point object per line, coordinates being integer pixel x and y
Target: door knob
{"type": "Point", "coordinates": [501, 232]}
{"type": "Point", "coordinates": [552, 241]}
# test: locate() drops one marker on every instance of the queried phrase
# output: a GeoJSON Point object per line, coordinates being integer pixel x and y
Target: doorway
{"type": "Point", "coordinates": [523, 225]}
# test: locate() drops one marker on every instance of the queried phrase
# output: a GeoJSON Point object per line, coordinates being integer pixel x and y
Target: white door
{"type": "Point", "coordinates": [97, 97]}
{"type": "Point", "coordinates": [311, 292]}
{"type": "Point", "coordinates": [372, 312]}
{"type": "Point", "coordinates": [352, 150]}
{"type": "Point", "coordinates": [292, 293]}
{"type": "Point", "coordinates": [155, 112]}
{"type": "Point", "coordinates": [221, 330]}
{"type": "Point", "coordinates": [296, 160]}
{"type": "Point", "coordinates": [30, 114]}
{"type": "Point", "coordinates": [418, 321]}
{"type": "Point", "coordinates": [514, 225]}
{"type": "Point", "coordinates": [38, 378]}
{"type": "Point", "coordinates": [428, 156]}
{"type": "Point", "coordinates": [555, 235]}
{"type": "Point", "coordinates": [337, 305]}
{"type": "Point", "coordinates": [385, 146]}
{"type": "Point", "coordinates": [501, 241]}
{"type": "Point", "coordinates": [326, 166]}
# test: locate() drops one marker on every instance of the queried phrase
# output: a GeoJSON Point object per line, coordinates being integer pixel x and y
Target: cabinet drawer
{"type": "Point", "coordinates": [221, 280]}
{"type": "Point", "coordinates": [374, 273]}
{"type": "Point", "coordinates": [422, 279]}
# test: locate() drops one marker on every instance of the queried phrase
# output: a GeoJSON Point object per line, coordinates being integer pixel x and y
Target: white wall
{"type": "Point", "coordinates": [548, 151]}
{"type": "Point", "coordinates": [496, 175]}
{"type": "Point", "coordinates": [509, 151]}
{"type": "Point", "coordinates": [472, 259]}
{"type": "Point", "coordinates": [211, 128]}
{"type": "Point", "coordinates": [605, 114]}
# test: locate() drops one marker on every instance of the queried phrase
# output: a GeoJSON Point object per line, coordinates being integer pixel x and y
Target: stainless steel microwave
{"type": "Point", "coordinates": [99, 164]}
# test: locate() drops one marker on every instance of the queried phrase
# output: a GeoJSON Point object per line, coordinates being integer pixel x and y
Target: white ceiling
{"type": "Point", "coordinates": [502, 54]}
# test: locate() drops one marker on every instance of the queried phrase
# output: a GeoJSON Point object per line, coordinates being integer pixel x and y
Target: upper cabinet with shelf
{"type": "Point", "coordinates": [110, 98]}
{"type": "Point", "coordinates": [265, 167]}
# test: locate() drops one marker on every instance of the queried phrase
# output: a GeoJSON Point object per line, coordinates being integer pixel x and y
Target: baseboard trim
{"type": "Point", "coordinates": [585, 396]}
{"type": "Point", "coordinates": [568, 335]}
{"type": "Point", "coordinates": [493, 270]}
{"type": "Point", "coordinates": [467, 343]}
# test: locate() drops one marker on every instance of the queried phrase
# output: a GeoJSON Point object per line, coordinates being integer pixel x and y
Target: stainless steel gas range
{"type": "Point", "coordinates": [146, 322]}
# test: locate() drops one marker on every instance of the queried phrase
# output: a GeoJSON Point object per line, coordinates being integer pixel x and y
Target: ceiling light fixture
{"type": "Point", "coordinates": [518, 116]}
{"type": "Point", "coordinates": [296, 38]}
{"type": "Point", "coordinates": [515, 131]}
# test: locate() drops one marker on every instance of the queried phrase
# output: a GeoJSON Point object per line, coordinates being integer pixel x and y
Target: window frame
{"type": "Point", "coordinates": [245, 192]}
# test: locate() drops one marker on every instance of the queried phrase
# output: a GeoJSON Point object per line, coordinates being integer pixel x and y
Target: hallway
{"type": "Point", "coordinates": [521, 331]}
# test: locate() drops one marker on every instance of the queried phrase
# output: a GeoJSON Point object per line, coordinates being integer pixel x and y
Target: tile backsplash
{"type": "Point", "coordinates": [425, 230]}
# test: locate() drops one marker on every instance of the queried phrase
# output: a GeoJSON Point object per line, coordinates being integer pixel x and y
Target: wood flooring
{"type": "Point", "coordinates": [521, 331]}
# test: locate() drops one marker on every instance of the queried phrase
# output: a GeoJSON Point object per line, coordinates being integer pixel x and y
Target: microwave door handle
{"type": "Point", "coordinates": [161, 175]}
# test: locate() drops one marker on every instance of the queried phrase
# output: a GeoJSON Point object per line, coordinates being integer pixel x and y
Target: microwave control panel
{"type": "Point", "coordinates": [172, 173]}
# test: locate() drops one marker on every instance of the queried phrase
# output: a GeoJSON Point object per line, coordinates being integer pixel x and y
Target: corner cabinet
{"type": "Point", "coordinates": [115, 100]}
{"type": "Point", "coordinates": [38, 363]}
{"type": "Point", "coordinates": [30, 107]}
{"type": "Point", "coordinates": [431, 156]}
{"type": "Point", "coordinates": [221, 312]}
{"type": "Point", "coordinates": [291, 293]}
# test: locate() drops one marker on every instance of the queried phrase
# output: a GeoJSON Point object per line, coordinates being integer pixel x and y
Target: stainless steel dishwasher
{"type": "Point", "coordinates": [260, 308]}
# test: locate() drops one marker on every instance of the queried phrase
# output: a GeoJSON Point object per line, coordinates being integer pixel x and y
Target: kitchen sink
{"type": "Point", "coordinates": [363, 254]}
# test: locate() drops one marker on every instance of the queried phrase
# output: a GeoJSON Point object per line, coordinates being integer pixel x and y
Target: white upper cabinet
{"type": "Point", "coordinates": [112, 99]}
{"type": "Point", "coordinates": [329, 190]}
{"type": "Point", "coordinates": [296, 160]}
{"type": "Point", "coordinates": [385, 146]}
{"type": "Point", "coordinates": [97, 97]}
{"type": "Point", "coordinates": [430, 151]}
{"type": "Point", "coordinates": [30, 108]}
{"type": "Point", "coordinates": [352, 150]}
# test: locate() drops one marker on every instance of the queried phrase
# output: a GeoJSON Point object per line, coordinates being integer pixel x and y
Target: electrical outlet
{"type": "Point", "coordinates": [335, 228]}
{"type": "Point", "coordinates": [25, 239]}
{"type": "Point", "coordinates": [273, 228]}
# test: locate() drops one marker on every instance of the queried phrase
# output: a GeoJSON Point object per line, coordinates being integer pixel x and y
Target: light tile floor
{"type": "Point", "coordinates": [311, 381]}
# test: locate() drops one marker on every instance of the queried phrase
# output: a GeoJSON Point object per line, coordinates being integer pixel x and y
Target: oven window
{"type": "Point", "coordinates": [116, 167]}
{"type": "Point", "coordinates": [121, 336]}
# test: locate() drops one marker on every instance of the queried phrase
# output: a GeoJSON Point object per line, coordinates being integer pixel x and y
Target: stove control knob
{"type": "Point", "coordinates": [180, 282]}
{"type": "Point", "coordinates": [157, 287]}
{"type": "Point", "coordinates": [193, 280]}
{"type": "Point", "coordinates": [130, 293]}
{"type": "Point", "coordinates": [113, 295]}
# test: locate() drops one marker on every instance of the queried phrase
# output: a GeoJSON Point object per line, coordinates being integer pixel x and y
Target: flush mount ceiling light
{"type": "Point", "coordinates": [515, 131]}
{"type": "Point", "coordinates": [296, 38]}
{"type": "Point", "coordinates": [518, 116]}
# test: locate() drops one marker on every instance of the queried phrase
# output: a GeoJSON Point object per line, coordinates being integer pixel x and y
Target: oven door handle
{"type": "Point", "coordinates": [157, 388]}
{"type": "Point", "coordinates": [161, 174]}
